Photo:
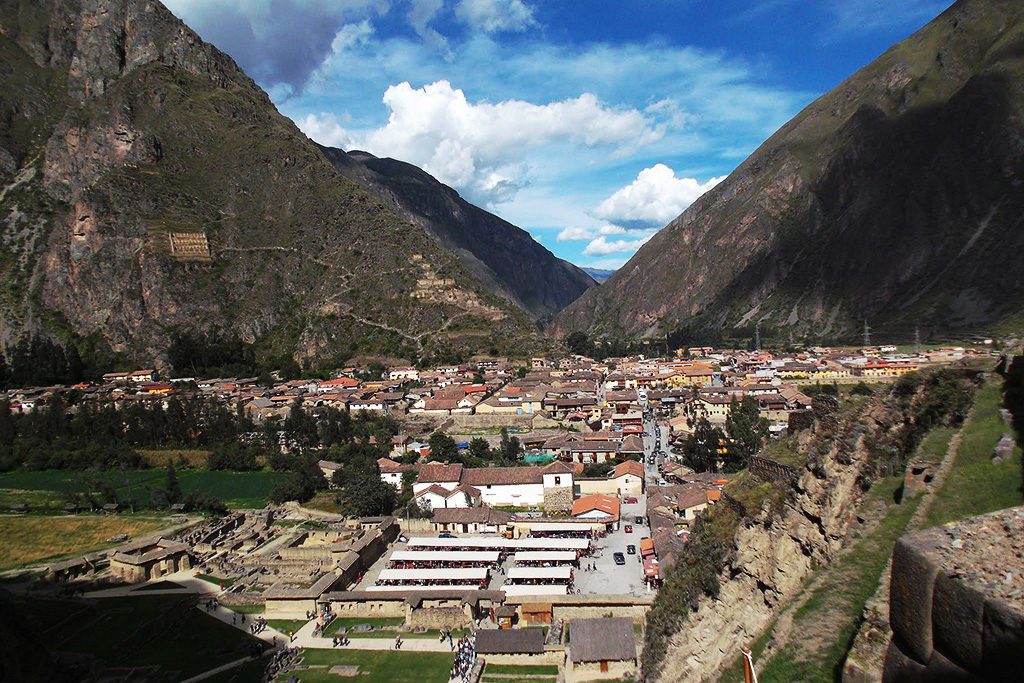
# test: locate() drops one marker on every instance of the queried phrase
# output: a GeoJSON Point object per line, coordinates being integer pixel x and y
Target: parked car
{"type": "Point", "coordinates": [446, 534]}
{"type": "Point", "coordinates": [631, 549]}
{"type": "Point", "coordinates": [639, 520]}
{"type": "Point", "coordinates": [629, 500]}
{"type": "Point", "coordinates": [629, 528]}
{"type": "Point", "coordinates": [619, 558]}
{"type": "Point", "coordinates": [662, 482]}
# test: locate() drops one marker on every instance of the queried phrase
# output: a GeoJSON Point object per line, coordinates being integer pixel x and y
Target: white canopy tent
{"type": "Point", "coordinates": [436, 587]}
{"type": "Point", "coordinates": [552, 556]}
{"type": "Point", "coordinates": [450, 573]}
{"type": "Point", "coordinates": [480, 556]}
{"type": "Point", "coordinates": [552, 573]}
{"type": "Point", "coordinates": [546, 589]}
{"type": "Point", "coordinates": [499, 543]}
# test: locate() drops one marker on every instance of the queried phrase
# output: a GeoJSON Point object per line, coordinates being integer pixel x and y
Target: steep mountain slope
{"type": "Point", "coordinates": [505, 257]}
{"type": "Point", "coordinates": [150, 187]}
{"type": "Point", "coordinates": [895, 198]}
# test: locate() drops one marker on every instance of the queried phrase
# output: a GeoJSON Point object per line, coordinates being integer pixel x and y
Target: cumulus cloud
{"type": "Point", "coordinates": [653, 199]}
{"type": "Point", "coordinates": [602, 246]}
{"type": "Point", "coordinates": [277, 42]}
{"type": "Point", "coordinates": [481, 147]}
{"type": "Point", "coordinates": [579, 234]}
{"type": "Point", "coordinates": [494, 16]}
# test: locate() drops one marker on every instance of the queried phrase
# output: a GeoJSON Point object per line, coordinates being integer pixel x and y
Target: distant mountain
{"type": "Point", "coordinates": [501, 255]}
{"type": "Point", "coordinates": [598, 274]}
{"type": "Point", "coordinates": [897, 199]}
{"type": "Point", "coordinates": [148, 187]}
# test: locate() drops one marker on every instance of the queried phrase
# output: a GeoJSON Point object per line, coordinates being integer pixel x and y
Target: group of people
{"type": "Point", "coordinates": [340, 640]}
{"type": "Point", "coordinates": [257, 626]}
{"type": "Point", "coordinates": [465, 658]}
{"type": "Point", "coordinates": [211, 604]}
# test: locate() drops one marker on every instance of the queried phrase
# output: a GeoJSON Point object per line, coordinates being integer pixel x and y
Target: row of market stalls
{"type": "Point", "coordinates": [541, 566]}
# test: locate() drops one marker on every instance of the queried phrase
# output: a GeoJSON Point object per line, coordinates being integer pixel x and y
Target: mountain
{"type": "Point", "coordinates": [895, 199]}
{"type": "Point", "coordinates": [149, 188]}
{"type": "Point", "coordinates": [504, 257]}
{"type": "Point", "coordinates": [598, 274]}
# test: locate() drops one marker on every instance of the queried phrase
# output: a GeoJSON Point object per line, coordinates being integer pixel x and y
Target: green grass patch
{"type": "Point", "coordinates": [377, 666]}
{"type": "Point", "coordinates": [50, 489]}
{"type": "Point", "coordinates": [286, 626]}
{"type": "Point", "coordinates": [223, 583]}
{"type": "Point", "coordinates": [519, 670]}
{"type": "Point", "coordinates": [378, 623]}
{"type": "Point", "coordinates": [976, 485]}
{"type": "Point", "coordinates": [934, 446]}
{"type": "Point", "coordinates": [246, 609]}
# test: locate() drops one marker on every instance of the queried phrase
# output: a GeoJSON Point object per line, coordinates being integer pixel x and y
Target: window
{"type": "Point", "coordinates": [558, 481]}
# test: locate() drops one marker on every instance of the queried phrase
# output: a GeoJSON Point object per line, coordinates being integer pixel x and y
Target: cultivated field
{"type": "Point", "coordinates": [31, 539]}
{"type": "Point", "coordinates": [50, 489]}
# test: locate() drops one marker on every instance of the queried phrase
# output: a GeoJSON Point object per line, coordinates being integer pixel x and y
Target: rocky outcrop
{"type": "Point", "coordinates": [895, 198]}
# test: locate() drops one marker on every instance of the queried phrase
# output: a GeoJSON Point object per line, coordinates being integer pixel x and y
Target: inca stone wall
{"type": "Point", "coordinates": [957, 602]}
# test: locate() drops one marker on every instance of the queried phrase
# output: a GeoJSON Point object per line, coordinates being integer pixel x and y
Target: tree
{"type": "Point", "coordinates": [442, 447]}
{"type": "Point", "coordinates": [480, 449]}
{"type": "Point", "coordinates": [510, 448]}
{"type": "Point", "coordinates": [172, 489]}
{"type": "Point", "coordinates": [366, 495]}
{"type": "Point", "coordinates": [747, 431]}
{"type": "Point", "coordinates": [579, 344]}
{"type": "Point", "coordinates": [700, 449]}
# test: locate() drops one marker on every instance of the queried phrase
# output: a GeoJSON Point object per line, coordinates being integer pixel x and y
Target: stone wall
{"type": "Point", "coordinates": [558, 500]}
{"type": "Point", "coordinates": [369, 609]}
{"type": "Point", "coordinates": [439, 617]}
{"type": "Point", "coordinates": [770, 470]}
{"type": "Point", "coordinates": [638, 613]}
{"type": "Point", "coordinates": [954, 611]}
{"type": "Point", "coordinates": [542, 658]}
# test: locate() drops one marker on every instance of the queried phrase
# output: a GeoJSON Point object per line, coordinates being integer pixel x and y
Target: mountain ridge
{"type": "Point", "coordinates": [150, 188]}
{"type": "Point", "coordinates": [891, 199]}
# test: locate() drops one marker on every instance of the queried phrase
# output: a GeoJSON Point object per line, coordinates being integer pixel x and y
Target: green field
{"type": "Point", "coordinates": [976, 485]}
{"type": "Point", "coordinates": [376, 666]}
{"type": "Point", "coordinates": [48, 489]}
{"type": "Point", "coordinates": [139, 631]}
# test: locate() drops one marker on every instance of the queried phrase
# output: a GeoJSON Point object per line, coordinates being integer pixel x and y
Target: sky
{"type": "Point", "coordinates": [589, 123]}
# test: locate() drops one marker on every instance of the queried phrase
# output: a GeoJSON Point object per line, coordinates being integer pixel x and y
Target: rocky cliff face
{"type": "Point", "coordinates": [149, 186]}
{"type": "Point", "coordinates": [895, 198]}
{"type": "Point", "coordinates": [778, 545]}
{"type": "Point", "coordinates": [498, 253]}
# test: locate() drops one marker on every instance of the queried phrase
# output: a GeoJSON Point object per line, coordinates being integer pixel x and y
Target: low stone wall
{"type": "Point", "coordinates": [770, 470]}
{"type": "Point", "coordinates": [370, 609]}
{"type": "Point", "coordinates": [439, 617]}
{"type": "Point", "coordinates": [553, 656]}
{"type": "Point", "coordinates": [638, 613]}
{"type": "Point", "coordinates": [953, 610]}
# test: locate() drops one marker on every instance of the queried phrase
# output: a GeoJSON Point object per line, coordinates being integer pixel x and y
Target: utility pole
{"type": "Point", "coordinates": [867, 333]}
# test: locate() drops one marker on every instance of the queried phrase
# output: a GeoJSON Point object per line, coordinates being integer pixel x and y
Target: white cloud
{"type": "Point", "coordinates": [493, 16]}
{"type": "Point", "coordinates": [481, 148]}
{"type": "Point", "coordinates": [325, 129]}
{"type": "Point", "coordinates": [578, 234]}
{"type": "Point", "coordinates": [421, 14]}
{"type": "Point", "coordinates": [601, 246]}
{"type": "Point", "coordinates": [653, 199]}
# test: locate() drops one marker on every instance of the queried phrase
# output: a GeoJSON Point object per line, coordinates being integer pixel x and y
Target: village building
{"type": "Point", "coordinates": [602, 648]}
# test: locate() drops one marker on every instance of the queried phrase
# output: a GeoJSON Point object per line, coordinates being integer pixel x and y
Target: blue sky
{"type": "Point", "coordinates": [589, 123]}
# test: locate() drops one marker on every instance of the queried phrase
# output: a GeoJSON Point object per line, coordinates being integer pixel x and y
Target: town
{"type": "Point", "coordinates": [525, 502]}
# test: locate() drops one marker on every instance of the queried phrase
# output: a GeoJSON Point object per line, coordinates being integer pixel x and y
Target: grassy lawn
{"type": "Point", "coordinates": [513, 669]}
{"type": "Point", "coordinates": [286, 626]}
{"type": "Point", "coordinates": [824, 624]}
{"type": "Point", "coordinates": [347, 623]}
{"type": "Point", "coordinates": [30, 539]}
{"type": "Point", "coordinates": [377, 666]}
{"type": "Point", "coordinates": [49, 488]}
{"type": "Point", "coordinates": [323, 501]}
{"type": "Point", "coordinates": [140, 631]}
{"type": "Point", "coordinates": [976, 485]}
{"type": "Point", "coordinates": [246, 609]}
{"type": "Point", "coordinates": [934, 446]}
{"type": "Point", "coordinates": [223, 583]}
